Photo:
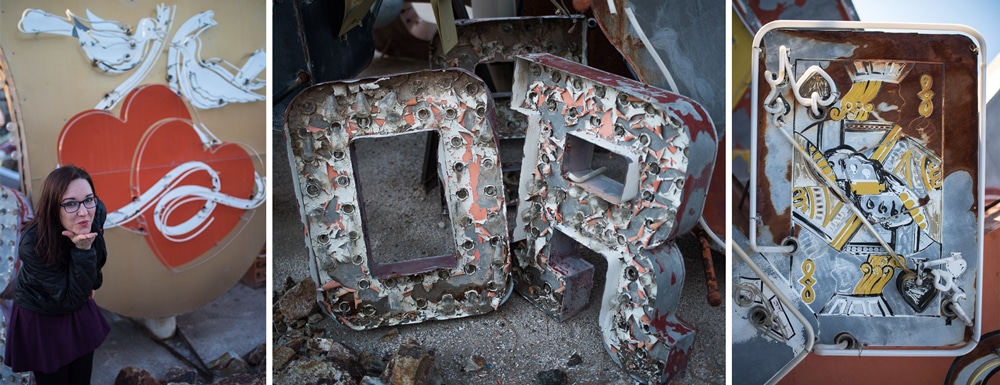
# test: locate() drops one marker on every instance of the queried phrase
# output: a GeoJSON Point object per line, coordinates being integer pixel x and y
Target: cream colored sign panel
{"type": "Point", "coordinates": [187, 180]}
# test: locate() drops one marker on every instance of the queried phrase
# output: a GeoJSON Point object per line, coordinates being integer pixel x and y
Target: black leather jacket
{"type": "Point", "coordinates": [66, 287]}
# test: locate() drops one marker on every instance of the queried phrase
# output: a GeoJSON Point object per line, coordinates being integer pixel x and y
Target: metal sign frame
{"type": "Point", "coordinates": [812, 97]}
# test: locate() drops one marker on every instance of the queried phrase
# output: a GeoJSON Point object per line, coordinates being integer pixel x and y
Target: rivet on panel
{"type": "Point", "coordinates": [653, 167]}
{"type": "Point", "coordinates": [619, 130]}
{"type": "Point", "coordinates": [536, 70]}
{"type": "Point", "coordinates": [472, 89]}
{"type": "Point", "coordinates": [312, 190]}
{"type": "Point", "coordinates": [631, 273]}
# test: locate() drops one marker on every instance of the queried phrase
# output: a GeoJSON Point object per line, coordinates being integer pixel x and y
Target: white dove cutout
{"type": "Point", "coordinates": [210, 83]}
{"type": "Point", "coordinates": [111, 46]}
{"type": "Point", "coordinates": [115, 47]}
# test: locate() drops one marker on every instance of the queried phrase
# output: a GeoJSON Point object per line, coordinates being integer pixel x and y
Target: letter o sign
{"type": "Point", "coordinates": [355, 290]}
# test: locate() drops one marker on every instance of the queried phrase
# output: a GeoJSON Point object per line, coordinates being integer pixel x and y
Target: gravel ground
{"type": "Point", "coordinates": [517, 340]}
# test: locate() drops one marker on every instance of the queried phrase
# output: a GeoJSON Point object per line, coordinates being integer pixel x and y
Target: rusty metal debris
{"type": "Point", "coordinates": [354, 289]}
{"type": "Point", "coordinates": [628, 211]}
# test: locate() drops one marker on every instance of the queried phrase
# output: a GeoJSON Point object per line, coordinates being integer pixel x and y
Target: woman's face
{"type": "Point", "coordinates": [76, 198]}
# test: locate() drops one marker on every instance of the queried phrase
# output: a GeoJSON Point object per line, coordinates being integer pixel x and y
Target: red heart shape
{"type": "Point", "coordinates": [105, 145]}
{"type": "Point", "coordinates": [173, 145]}
{"type": "Point", "coordinates": [127, 156]}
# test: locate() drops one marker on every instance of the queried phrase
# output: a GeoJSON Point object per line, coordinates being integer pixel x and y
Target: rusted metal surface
{"type": "Point", "coordinates": [869, 163]}
{"type": "Point", "coordinates": [687, 37]}
{"type": "Point", "coordinates": [756, 13]}
{"type": "Point", "coordinates": [678, 46]}
{"type": "Point", "coordinates": [356, 290]}
{"type": "Point", "coordinates": [500, 40]}
{"type": "Point", "coordinates": [711, 283]}
{"type": "Point", "coordinates": [628, 212]}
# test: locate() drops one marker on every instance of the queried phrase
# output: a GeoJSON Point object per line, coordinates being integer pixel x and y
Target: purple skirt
{"type": "Point", "coordinates": [45, 343]}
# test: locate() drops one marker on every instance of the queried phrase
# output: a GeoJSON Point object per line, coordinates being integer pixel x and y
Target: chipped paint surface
{"type": "Point", "coordinates": [356, 290]}
{"type": "Point", "coordinates": [666, 144]}
{"type": "Point", "coordinates": [868, 161]}
{"type": "Point", "coordinates": [500, 40]}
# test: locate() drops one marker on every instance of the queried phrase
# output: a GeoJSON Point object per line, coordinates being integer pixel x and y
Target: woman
{"type": "Point", "coordinates": [55, 326]}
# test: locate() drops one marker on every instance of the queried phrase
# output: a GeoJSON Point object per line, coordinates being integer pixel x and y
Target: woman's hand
{"type": "Point", "coordinates": [82, 241]}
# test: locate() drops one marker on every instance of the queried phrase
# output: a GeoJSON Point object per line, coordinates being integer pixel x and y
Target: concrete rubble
{"type": "Point", "coordinates": [227, 369]}
{"type": "Point", "coordinates": [302, 356]}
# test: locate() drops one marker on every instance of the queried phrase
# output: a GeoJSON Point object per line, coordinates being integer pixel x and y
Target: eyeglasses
{"type": "Point", "coordinates": [74, 206]}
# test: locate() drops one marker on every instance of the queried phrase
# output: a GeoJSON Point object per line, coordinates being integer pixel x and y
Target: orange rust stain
{"type": "Point", "coordinates": [478, 212]}
{"type": "Point", "coordinates": [639, 235]}
{"type": "Point", "coordinates": [379, 121]}
{"type": "Point", "coordinates": [461, 117]}
{"type": "Point", "coordinates": [639, 267]}
{"type": "Point", "coordinates": [607, 128]}
{"type": "Point", "coordinates": [331, 285]}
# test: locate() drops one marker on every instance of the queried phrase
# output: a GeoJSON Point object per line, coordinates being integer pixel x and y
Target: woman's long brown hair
{"type": "Point", "coordinates": [50, 245]}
